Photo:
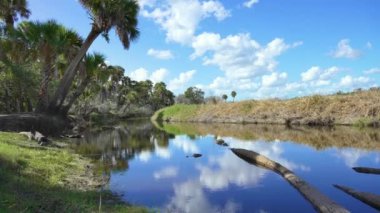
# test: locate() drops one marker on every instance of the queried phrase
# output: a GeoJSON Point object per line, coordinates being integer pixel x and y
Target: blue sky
{"type": "Point", "coordinates": [259, 48]}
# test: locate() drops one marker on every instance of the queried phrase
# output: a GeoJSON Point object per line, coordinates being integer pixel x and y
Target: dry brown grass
{"type": "Point", "coordinates": [339, 109]}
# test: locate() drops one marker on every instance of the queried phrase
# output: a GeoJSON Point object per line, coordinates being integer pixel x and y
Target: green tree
{"type": "Point", "coordinates": [224, 96]}
{"type": "Point", "coordinates": [11, 10]}
{"type": "Point", "coordinates": [121, 14]}
{"type": "Point", "coordinates": [194, 95]}
{"type": "Point", "coordinates": [93, 71]}
{"type": "Point", "coordinates": [48, 40]}
{"type": "Point", "coordinates": [233, 95]}
{"type": "Point", "coordinates": [161, 96]}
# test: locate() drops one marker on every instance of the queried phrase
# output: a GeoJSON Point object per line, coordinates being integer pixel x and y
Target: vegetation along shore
{"type": "Point", "coordinates": [51, 178]}
{"type": "Point", "coordinates": [361, 108]}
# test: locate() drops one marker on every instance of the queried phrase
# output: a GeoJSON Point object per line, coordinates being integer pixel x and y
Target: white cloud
{"type": "Point", "coordinates": [145, 156]}
{"type": "Point", "coordinates": [160, 54]}
{"type": "Point", "coordinates": [311, 74]}
{"type": "Point", "coordinates": [190, 197]}
{"type": "Point", "coordinates": [372, 71]}
{"type": "Point", "coordinates": [167, 172]}
{"type": "Point", "coordinates": [351, 156]}
{"type": "Point", "coordinates": [317, 73]}
{"type": "Point", "coordinates": [181, 80]}
{"type": "Point", "coordinates": [351, 82]}
{"type": "Point", "coordinates": [180, 18]}
{"type": "Point", "coordinates": [146, 3]}
{"type": "Point", "coordinates": [274, 79]}
{"type": "Point", "coordinates": [250, 3]}
{"type": "Point", "coordinates": [239, 56]}
{"type": "Point", "coordinates": [344, 50]}
{"type": "Point", "coordinates": [158, 75]}
{"type": "Point", "coordinates": [142, 74]}
{"type": "Point", "coordinates": [186, 145]}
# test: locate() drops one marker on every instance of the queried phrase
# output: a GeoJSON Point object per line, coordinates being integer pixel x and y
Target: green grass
{"type": "Point", "coordinates": [37, 179]}
{"type": "Point", "coordinates": [177, 112]}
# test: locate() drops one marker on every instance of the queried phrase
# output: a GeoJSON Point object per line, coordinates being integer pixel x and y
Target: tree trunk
{"type": "Point", "coordinates": [29, 104]}
{"type": "Point", "coordinates": [9, 23]}
{"type": "Point", "coordinates": [70, 72]}
{"type": "Point", "coordinates": [43, 95]}
{"type": "Point", "coordinates": [77, 93]}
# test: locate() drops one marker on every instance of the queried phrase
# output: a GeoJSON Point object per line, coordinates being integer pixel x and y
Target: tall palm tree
{"type": "Point", "coordinates": [121, 14]}
{"type": "Point", "coordinates": [48, 40]}
{"type": "Point", "coordinates": [94, 70]}
{"type": "Point", "coordinates": [233, 95]}
{"type": "Point", "coordinates": [11, 10]}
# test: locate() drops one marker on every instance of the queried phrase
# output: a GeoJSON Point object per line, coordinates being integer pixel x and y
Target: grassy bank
{"type": "Point", "coordinates": [47, 179]}
{"type": "Point", "coordinates": [360, 108]}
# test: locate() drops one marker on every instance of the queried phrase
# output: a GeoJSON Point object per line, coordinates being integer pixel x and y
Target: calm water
{"type": "Point", "coordinates": [148, 166]}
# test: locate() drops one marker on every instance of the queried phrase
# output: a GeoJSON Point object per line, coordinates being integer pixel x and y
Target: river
{"type": "Point", "coordinates": [153, 165]}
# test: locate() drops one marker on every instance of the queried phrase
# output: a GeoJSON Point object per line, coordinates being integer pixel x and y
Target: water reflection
{"type": "Point", "coordinates": [319, 138]}
{"type": "Point", "coordinates": [148, 166]}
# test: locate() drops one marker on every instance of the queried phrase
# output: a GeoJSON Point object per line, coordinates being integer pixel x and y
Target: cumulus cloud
{"type": "Point", "coordinates": [180, 18]}
{"type": "Point", "coordinates": [344, 50]}
{"type": "Point", "coordinates": [186, 145]}
{"type": "Point", "coordinates": [141, 74]}
{"type": "Point", "coordinates": [351, 157]}
{"type": "Point", "coordinates": [167, 172]}
{"type": "Point", "coordinates": [250, 3]}
{"type": "Point", "coordinates": [372, 71]}
{"type": "Point", "coordinates": [317, 73]}
{"type": "Point", "coordinates": [160, 54]}
{"type": "Point", "coordinates": [158, 75]}
{"type": "Point", "coordinates": [181, 80]}
{"type": "Point", "coordinates": [349, 81]}
{"type": "Point", "coordinates": [274, 79]}
{"type": "Point", "coordinates": [246, 64]}
{"type": "Point", "coordinates": [190, 197]}
{"type": "Point", "coordinates": [239, 56]}
{"type": "Point", "coordinates": [145, 156]}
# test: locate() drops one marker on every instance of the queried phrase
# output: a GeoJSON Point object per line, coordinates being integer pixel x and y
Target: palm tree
{"type": "Point", "coordinates": [48, 40]}
{"type": "Point", "coordinates": [224, 96]}
{"type": "Point", "coordinates": [233, 95]}
{"type": "Point", "coordinates": [11, 10]}
{"type": "Point", "coordinates": [121, 14]}
{"type": "Point", "coordinates": [94, 70]}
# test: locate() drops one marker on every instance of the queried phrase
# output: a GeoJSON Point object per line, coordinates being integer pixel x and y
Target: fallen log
{"type": "Point", "coordinates": [367, 170]}
{"type": "Point", "coordinates": [320, 202]}
{"type": "Point", "coordinates": [370, 199]}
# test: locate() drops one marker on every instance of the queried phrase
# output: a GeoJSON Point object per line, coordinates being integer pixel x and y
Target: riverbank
{"type": "Point", "coordinates": [361, 108]}
{"type": "Point", "coordinates": [50, 179]}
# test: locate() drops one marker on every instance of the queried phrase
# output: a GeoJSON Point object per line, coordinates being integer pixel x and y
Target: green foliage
{"type": "Point", "coordinates": [225, 97]}
{"type": "Point", "coordinates": [33, 179]}
{"type": "Point", "coordinates": [233, 95]}
{"type": "Point", "coordinates": [193, 95]}
{"type": "Point", "coordinates": [176, 112]}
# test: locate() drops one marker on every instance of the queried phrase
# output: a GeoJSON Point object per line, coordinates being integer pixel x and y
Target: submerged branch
{"type": "Point", "coordinates": [319, 201]}
{"type": "Point", "coordinates": [367, 170]}
{"type": "Point", "coordinates": [372, 200]}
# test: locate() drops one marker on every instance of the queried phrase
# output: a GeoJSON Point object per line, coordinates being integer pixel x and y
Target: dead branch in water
{"type": "Point", "coordinates": [370, 199]}
{"type": "Point", "coordinates": [319, 201]}
{"type": "Point", "coordinates": [367, 170]}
